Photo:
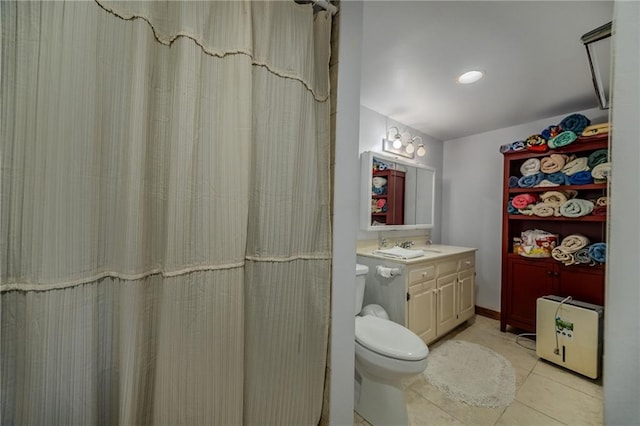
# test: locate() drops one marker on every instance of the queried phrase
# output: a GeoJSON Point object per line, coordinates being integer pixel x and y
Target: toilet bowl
{"type": "Point", "coordinates": [385, 354]}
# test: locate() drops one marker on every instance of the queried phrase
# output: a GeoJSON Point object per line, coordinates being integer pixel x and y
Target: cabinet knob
{"type": "Point", "coordinates": [550, 273]}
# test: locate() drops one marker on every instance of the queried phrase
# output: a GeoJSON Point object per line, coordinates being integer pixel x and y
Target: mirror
{"type": "Point", "coordinates": [395, 194]}
{"type": "Point", "coordinates": [598, 45]}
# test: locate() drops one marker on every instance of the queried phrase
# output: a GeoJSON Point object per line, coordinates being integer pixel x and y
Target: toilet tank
{"type": "Point", "coordinates": [361, 278]}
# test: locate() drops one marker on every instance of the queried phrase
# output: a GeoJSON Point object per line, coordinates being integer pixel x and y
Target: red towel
{"type": "Point", "coordinates": [523, 200]}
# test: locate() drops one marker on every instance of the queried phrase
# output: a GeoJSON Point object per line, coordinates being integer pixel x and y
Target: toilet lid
{"type": "Point", "coordinates": [389, 339]}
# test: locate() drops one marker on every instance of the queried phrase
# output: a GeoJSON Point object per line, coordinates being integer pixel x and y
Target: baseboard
{"type": "Point", "coordinates": [487, 313]}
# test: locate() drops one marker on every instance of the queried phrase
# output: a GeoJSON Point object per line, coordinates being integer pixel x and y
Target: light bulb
{"type": "Point", "coordinates": [410, 148]}
{"type": "Point", "coordinates": [421, 151]}
{"type": "Point", "coordinates": [397, 142]}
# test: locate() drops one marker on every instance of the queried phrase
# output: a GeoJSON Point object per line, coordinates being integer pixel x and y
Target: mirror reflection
{"type": "Point", "coordinates": [396, 194]}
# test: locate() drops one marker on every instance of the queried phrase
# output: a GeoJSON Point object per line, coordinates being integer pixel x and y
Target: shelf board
{"type": "Point", "coordinates": [559, 218]}
{"type": "Point", "coordinates": [559, 188]}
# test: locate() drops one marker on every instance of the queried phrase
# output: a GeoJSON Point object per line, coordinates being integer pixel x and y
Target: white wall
{"type": "Point", "coordinates": [345, 216]}
{"type": "Point", "coordinates": [472, 198]}
{"type": "Point", "coordinates": [373, 127]}
{"type": "Point", "coordinates": [622, 321]}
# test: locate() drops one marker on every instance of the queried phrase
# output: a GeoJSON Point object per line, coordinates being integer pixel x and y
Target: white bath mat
{"type": "Point", "coordinates": [472, 374]}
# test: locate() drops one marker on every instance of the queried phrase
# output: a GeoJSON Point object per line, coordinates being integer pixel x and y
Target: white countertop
{"type": "Point", "coordinates": [432, 252]}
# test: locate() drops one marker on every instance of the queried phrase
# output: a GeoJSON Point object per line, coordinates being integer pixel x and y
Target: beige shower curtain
{"type": "Point", "coordinates": [164, 212]}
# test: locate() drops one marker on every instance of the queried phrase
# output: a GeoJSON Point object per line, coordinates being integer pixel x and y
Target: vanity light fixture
{"type": "Point", "coordinates": [421, 150]}
{"type": "Point", "coordinates": [397, 138]}
{"type": "Point", "coordinates": [470, 77]}
{"type": "Point", "coordinates": [403, 144]}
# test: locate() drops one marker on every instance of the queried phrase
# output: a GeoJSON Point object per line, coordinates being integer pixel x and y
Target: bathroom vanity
{"type": "Point", "coordinates": [429, 295]}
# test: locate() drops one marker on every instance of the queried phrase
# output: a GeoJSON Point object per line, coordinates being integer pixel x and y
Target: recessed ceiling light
{"type": "Point", "coordinates": [470, 77]}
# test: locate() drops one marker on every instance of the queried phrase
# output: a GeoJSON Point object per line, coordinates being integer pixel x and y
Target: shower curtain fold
{"type": "Point", "coordinates": [165, 219]}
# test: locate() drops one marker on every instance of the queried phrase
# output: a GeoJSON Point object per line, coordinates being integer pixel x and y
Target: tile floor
{"type": "Point", "coordinates": [546, 395]}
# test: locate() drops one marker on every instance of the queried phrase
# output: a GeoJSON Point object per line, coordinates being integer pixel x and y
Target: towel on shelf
{"type": "Point", "coordinates": [581, 178]}
{"type": "Point", "coordinates": [544, 210]}
{"type": "Point", "coordinates": [526, 210]}
{"type": "Point", "coordinates": [511, 209]}
{"type": "Point", "coordinates": [562, 139]}
{"type": "Point", "coordinates": [530, 167]}
{"type": "Point", "coordinates": [557, 178]}
{"type": "Point", "coordinates": [513, 181]}
{"type": "Point", "coordinates": [518, 146]}
{"type": "Point", "coordinates": [576, 207]}
{"type": "Point", "coordinates": [552, 164]}
{"type": "Point", "coordinates": [601, 172]}
{"type": "Point", "coordinates": [575, 123]}
{"type": "Point", "coordinates": [597, 157]}
{"type": "Point", "coordinates": [505, 148]}
{"type": "Point", "coordinates": [574, 242]}
{"type": "Point", "coordinates": [575, 166]}
{"type": "Point", "coordinates": [596, 129]}
{"type": "Point", "coordinates": [523, 200]}
{"type": "Point", "coordinates": [546, 183]}
{"type": "Point", "coordinates": [550, 132]}
{"type": "Point", "coordinates": [556, 198]}
{"type": "Point", "coordinates": [600, 211]}
{"type": "Point", "coordinates": [598, 252]}
{"type": "Point", "coordinates": [562, 256]}
{"type": "Point", "coordinates": [536, 143]}
{"type": "Point", "coordinates": [529, 181]}
{"type": "Point", "coordinates": [602, 201]}
{"type": "Point", "coordinates": [582, 256]}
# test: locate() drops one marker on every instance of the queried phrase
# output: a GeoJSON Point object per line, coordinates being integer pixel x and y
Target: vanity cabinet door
{"type": "Point", "coordinates": [447, 303]}
{"type": "Point", "coordinates": [465, 290]}
{"type": "Point", "coordinates": [422, 310]}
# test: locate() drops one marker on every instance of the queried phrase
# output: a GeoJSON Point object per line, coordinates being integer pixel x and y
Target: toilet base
{"type": "Point", "coordinates": [381, 403]}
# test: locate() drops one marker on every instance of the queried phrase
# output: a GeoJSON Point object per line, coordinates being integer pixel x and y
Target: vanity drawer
{"type": "Point", "coordinates": [447, 267]}
{"type": "Point", "coordinates": [466, 262]}
{"type": "Point", "coordinates": [422, 273]}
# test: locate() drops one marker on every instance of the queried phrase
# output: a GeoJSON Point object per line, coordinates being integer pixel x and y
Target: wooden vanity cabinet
{"type": "Point", "coordinates": [440, 295]}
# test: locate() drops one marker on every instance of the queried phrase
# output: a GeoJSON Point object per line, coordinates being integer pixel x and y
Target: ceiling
{"type": "Point", "coordinates": [530, 51]}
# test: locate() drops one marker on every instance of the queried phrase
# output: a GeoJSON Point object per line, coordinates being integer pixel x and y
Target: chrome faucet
{"type": "Point", "coordinates": [406, 244]}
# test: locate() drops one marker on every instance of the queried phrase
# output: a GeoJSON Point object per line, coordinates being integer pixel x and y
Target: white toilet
{"type": "Point", "coordinates": [386, 353]}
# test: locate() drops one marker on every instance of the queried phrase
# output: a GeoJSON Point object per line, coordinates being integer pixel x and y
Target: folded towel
{"type": "Point", "coordinates": [557, 178]}
{"type": "Point", "coordinates": [575, 123]}
{"type": "Point", "coordinates": [596, 129]}
{"type": "Point", "coordinates": [544, 210]}
{"type": "Point", "coordinates": [574, 242]}
{"type": "Point", "coordinates": [576, 208]}
{"type": "Point", "coordinates": [546, 183]}
{"type": "Point", "coordinates": [601, 172]}
{"type": "Point", "coordinates": [530, 167]}
{"type": "Point", "coordinates": [602, 201]}
{"type": "Point", "coordinates": [400, 253]}
{"type": "Point", "coordinates": [523, 200]}
{"type": "Point", "coordinates": [552, 164]}
{"type": "Point", "coordinates": [513, 181]}
{"type": "Point", "coordinates": [575, 166]}
{"type": "Point", "coordinates": [526, 210]}
{"type": "Point", "coordinates": [518, 146]}
{"type": "Point", "coordinates": [511, 209]}
{"type": "Point", "coordinates": [582, 256]}
{"type": "Point", "coordinates": [600, 211]}
{"type": "Point", "coordinates": [550, 132]}
{"type": "Point", "coordinates": [505, 148]}
{"type": "Point", "coordinates": [597, 157]}
{"type": "Point", "coordinates": [581, 178]}
{"type": "Point", "coordinates": [555, 198]}
{"type": "Point", "coordinates": [598, 252]}
{"type": "Point", "coordinates": [562, 256]}
{"type": "Point", "coordinates": [529, 181]}
{"type": "Point", "coordinates": [536, 143]}
{"type": "Point", "coordinates": [562, 139]}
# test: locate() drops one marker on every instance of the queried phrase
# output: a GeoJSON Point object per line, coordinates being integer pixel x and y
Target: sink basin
{"type": "Point", "coordinates": [400, 253]}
